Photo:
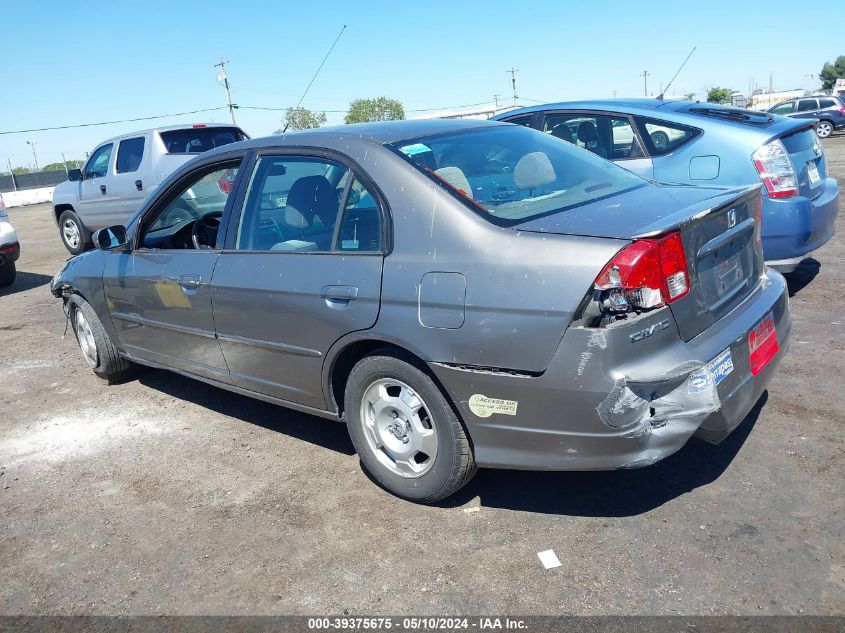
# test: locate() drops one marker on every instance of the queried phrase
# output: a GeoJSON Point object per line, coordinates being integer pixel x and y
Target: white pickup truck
{"type": "Point", "coordinates": [122, 171]}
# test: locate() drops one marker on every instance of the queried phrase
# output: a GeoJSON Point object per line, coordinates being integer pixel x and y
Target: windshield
{"type": "Point", "coordinates": [510, 173]}
{"type": "Point", "coordinates": [198, 140]}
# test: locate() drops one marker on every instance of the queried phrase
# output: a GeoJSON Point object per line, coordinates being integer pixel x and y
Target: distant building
{"type": "Point", "coordinates": [765, 100]}
{"type": "Point", "coordinates": [479, 112]}
{"type": "Point", "coordinates": [839, 88]}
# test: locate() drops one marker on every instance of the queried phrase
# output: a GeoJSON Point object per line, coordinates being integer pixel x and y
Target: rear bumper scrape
{"type": "Point", "coordinates": [662, 404]}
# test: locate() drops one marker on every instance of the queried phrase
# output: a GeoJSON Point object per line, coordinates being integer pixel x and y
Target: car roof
{"type": "Point", "coordinates": [168, 128]}
{"type": "Point", "coordinates": [377, 133]}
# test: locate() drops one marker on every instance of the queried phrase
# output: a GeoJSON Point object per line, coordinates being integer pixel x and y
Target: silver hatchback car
{"type": "Point", "coordinates": [460, 293]}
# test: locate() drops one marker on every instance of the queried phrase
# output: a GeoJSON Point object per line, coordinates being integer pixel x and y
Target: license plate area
{"type": "Point", "coordinates": [762, 344]}
{"type": "Point", "coordinates": [813, 173]}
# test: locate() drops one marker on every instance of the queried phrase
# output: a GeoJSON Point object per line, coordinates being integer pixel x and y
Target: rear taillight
{"type": "Point", "coordinates": [14, 247]}
{"type": "Point", "coordinates": [842, 109]}
{"type": "Point", "coordinates": [647, 274]}
{"type": "Point", "coordinates": [775, 169]}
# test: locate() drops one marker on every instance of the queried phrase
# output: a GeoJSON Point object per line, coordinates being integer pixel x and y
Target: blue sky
{"type": "Point", "coordinates": [74, 62]}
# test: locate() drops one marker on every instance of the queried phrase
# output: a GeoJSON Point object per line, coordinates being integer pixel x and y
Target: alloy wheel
{"type": "Point", "coordinates": [86, 339]}
{"type": "Point", "coordinates": [398, 428]}
{"type": "Point", "coordinates": [71, 233]}
{"type": "Point", "coordinates": [824, 129]}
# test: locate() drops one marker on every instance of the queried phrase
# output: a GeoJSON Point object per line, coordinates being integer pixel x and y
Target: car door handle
{"type": "Point", "coordinates": [190, 281]}
{"type": "Point", "coordinates": [338, 297]}
{"type": "Point", "coordinates": [103, 189]}
{"type": "Point", "coordinates": [139, 185]}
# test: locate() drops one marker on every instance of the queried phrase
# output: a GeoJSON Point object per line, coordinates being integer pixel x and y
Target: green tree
{"type": "Point", "coordinates": [719, 95]}
{"type": "Point", "coordinates": [20, 171]}
{"type": "Point", "coordinates": [690, 96]}
{"type": "Point", "coordinates": [831, 72]}
{"type": "Point", "coordinates": [301, 119]}
{"type": "Point", "coordinates": [71, 164]}
{"type": "Point", "coordinates": [380, 109]}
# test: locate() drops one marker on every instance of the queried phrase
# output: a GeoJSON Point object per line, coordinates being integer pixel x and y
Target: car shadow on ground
{"type": "Point", "coordinates": [802, 276]}
{"type": "Point", "coordinates": [615, 493]}
{"type": "Point", "coordinates": [25, 281]}
{"type": "Point", "coordinates": [305, 427]}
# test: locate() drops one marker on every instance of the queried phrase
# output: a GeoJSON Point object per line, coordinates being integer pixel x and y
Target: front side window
{"type": "Point", "coordinates": [129, 155]}
{"type": "Point", "coordinates": [783, 108]}
{"type": "Point", "coordinates": [191, 216]}
{"type": "Point", "coordinates": [610, 137]}
{"type": "Point", "coordinates": [291, 205]}
{"type": "Point", "coordinates": [807, 105]}
{"type": "Point", "coordinates": [663, 138]}
{"type": "Point", "coordinates": [98, 164]}
{"type": "Point", "coordinates": [509, 173]}
{"type": "Point", "coordinates": [523, 119]}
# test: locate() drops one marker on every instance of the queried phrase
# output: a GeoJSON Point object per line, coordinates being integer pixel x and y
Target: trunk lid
{"type": "Point", "coordinates": [717, 227]}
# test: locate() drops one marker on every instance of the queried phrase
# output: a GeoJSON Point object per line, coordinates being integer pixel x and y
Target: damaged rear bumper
{"type": "Point", "coordinates": [606, 402]}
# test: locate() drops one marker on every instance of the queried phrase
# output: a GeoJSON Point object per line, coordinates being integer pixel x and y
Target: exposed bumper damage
{"type": "Point", "coordinates": [606, 403]}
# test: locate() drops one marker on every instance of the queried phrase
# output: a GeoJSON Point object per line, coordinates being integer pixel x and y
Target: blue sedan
{"type": "Point", "coordinates": [706, 144]}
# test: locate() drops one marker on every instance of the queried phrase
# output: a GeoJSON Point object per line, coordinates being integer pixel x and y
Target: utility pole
{"type": "Point", "coordinates": [12, 174]}
{"type": "Point", "coordinates": [496, 99]}
{"type": "Point", "coordinates": [64, 162]}
{"type": "Point", "coordinates": [810, 77]}
{"type": "Point", "coordinates": [645, 82]}
{"type": "Point", "coordinates": [34, 156]}
{"type": "Point", "coordinates": [513, 72]}
{"type": "Point", "coordinates": [614, 93]}
{"type": "Point", "coordinates": [222, 76]}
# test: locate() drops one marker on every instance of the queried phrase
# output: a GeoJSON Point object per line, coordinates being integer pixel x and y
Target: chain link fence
{"type": "Point", "coordinates": [22, 182]}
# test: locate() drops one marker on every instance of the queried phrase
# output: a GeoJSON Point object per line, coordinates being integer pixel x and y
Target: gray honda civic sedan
{"type": "Point", "coordinates": [459, 293]}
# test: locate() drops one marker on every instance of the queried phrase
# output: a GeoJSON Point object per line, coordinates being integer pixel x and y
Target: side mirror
{"type": "Point", "coordinates": [110, 238]}
{"type": "Point", "coordinates": [74, 175]}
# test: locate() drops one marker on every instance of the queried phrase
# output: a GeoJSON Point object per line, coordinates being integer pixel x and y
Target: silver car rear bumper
{"type": "Point", "coordinates": [605, 402]}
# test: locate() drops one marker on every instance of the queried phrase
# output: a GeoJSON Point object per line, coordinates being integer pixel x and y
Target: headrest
{"type": "Point", "coordinates": [587, 132]}
{"type": "Point", "coordinates": [533, 170]}
{"type": "Point", "coordinates": [455, 177]}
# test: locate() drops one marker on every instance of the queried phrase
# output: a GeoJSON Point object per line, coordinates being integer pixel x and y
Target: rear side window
{"type": "Point", "coordinates": [360, 227]}
{"type": "Point", "coordinates": [827, 103]}
{"type": "Point", "coordinates": [663, 138]}
{"type": "Point", "coordinates": [129, 155]}
{"type": "Point", "coordinates": [198, 140]}
{"type": "Point", "coordinates": [807, 105]}
{"type": "Point", "coordinates": [609, 136]}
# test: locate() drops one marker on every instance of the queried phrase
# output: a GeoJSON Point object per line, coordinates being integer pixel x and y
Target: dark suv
{"type": "Point", "coordinates": [830, 112]}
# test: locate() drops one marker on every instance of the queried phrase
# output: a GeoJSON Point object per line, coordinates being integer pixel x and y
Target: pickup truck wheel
{"type": "Point", "coordinates": [406, 433]}
{"type": "Point", "coordinates": [75, 236]}
{"type": "Point", "coordinates": [824, 129]}
{"type": "Point", "coordinates": [7, 274]}
{"type": "Point", "coordinates": [97, 349]}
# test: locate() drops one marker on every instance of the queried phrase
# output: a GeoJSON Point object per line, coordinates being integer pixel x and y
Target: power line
{"type": "Point", "coordinates": [143, 118]}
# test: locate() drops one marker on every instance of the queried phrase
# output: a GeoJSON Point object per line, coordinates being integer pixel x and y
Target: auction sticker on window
{"type": "Point", "coordinates": [484, 407]}
{"type": "Point", "coordinates": [712, 373]}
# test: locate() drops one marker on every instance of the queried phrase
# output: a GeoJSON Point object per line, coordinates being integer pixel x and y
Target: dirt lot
{"type": "Point", "coordinates": [165, 495]}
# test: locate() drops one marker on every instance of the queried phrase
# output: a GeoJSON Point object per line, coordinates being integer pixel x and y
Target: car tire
{"type": "Point", "coordinates": [824, 129]}
{"type": "Point", "coordinates": [75, 236]}
{"type": "Point", "coordinates": [8, 272]}
{"type": "Point", "coordinates": [395, 413]}
{"type": "Point", "coordinates": [97, 348]}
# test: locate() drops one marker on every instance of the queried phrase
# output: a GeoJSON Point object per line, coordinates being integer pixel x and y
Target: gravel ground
{"type": "Point", "coordinates": [165, 495]}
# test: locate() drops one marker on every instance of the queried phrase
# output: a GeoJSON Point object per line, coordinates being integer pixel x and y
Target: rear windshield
{"type": "Point", "coordinates": [509, 173]}
{"type": "Point", "coordinates": [198, 140]}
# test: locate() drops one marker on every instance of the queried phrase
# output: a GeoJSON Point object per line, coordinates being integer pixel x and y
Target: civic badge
{"type": "Point", "coordinates": [731, 218]}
